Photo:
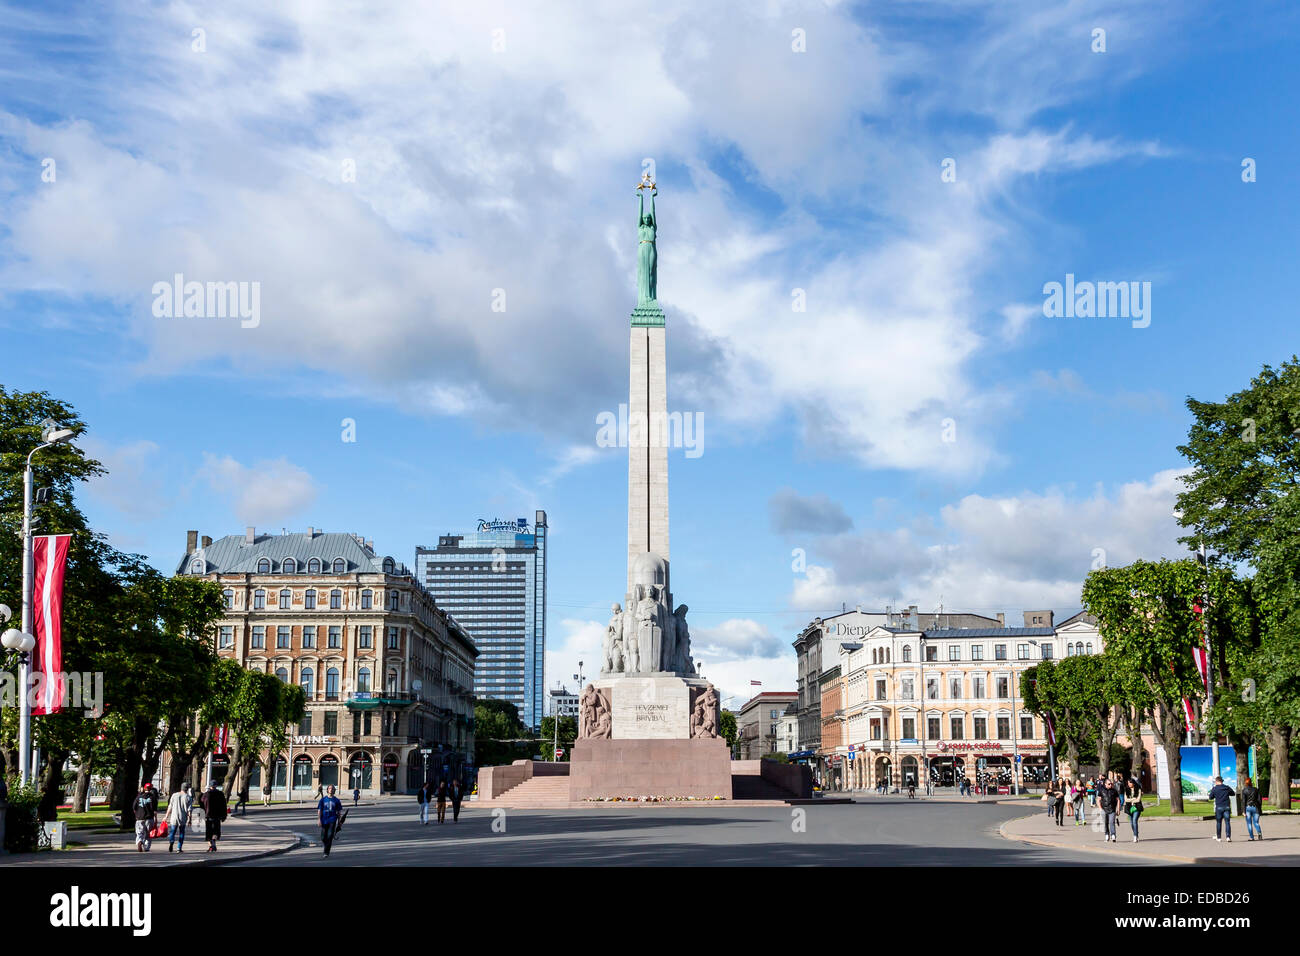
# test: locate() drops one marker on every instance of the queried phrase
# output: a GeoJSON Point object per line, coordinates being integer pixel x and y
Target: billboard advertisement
{"type": "Point", "coordinates": [1198, 776]}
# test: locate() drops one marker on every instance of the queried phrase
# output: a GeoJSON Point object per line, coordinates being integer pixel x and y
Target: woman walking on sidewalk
{"type": "Point", "coordinates": [1134, 805]}
{"type": "Point", "coordinates": [1060, 789]}
{"type": "Point", "coordinates": [1076, 800]}
{"type": "Point", "coordinates": [1253, 806]}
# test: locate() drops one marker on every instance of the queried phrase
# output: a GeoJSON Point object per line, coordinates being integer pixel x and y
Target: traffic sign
{"type": "Point", "coordinates": [426, 751]}
{"type": "Point", "coordinates": [559, 752]}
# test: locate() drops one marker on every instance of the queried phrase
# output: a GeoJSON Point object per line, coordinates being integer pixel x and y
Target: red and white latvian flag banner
{"type": "Point", "coordinates": [49, 558]}
{"type": "Point", "coordinates": [222, 744]}
{"type": "Point", "coordinates": [1051, 730]}
{"type": "Point", "coordinates": [1189, 713]}
{"type": "Point", "coordinates": [1200, 653]}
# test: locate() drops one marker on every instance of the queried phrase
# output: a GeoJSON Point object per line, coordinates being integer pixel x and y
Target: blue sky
{"type": "Point", "coordinates": [497, 147]}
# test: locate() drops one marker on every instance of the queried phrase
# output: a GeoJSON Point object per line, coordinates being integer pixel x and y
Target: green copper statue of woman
{"type": "Point", "coordinates": [647, 258]}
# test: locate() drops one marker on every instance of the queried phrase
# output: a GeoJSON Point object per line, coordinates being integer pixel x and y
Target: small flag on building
{"type": "Point", "coordinates": [49, 559]}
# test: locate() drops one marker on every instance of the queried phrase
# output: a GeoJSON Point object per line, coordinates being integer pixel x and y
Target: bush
{"type": "Point", "coordinates": [21, 825]}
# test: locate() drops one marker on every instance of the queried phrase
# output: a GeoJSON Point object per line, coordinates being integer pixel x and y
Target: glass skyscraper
{"type": "Point", "coordinates": [493, 582]}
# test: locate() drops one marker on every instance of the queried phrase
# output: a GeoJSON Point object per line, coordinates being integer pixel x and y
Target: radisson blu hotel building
{"type": "Point", "coordinates": [493, 582]}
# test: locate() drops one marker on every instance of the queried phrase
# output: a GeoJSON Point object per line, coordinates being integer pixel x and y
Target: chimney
{"type": "Point", "coordinates": [191, 541]}
{"type": "Point", "coordinates": [311, 532]}
{"type": "Point", "coordinates": [250, 535]}
{"type": "Point", "coordinates": [859, 608]}
{"type": "Point", "coordinates": [206, 540]}
{"type": "Point", "coordinates": [1002, 619]}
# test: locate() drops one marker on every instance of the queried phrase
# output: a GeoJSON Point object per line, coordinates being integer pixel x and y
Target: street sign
{"type": "Point", "coordinates": [426, 751]}
{"type": "Point", "coordinates": [559, 752]}
{"type": "Point", "coordinates": [1017, 758]}
{"type": "Point", "coordinates": [852, 754]}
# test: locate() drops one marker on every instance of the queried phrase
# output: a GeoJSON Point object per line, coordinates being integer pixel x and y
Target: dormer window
{"type": "Point", "coordinates": [289, 566]}
{"type": "Point", "coordinates": [196, 566]}
{"type": "Point", "coordinates": [388, 565]}
{"type": "Point", "coordinates": [264, 566]}
{"type": "Point", "coordinates": [340, 566]}
{"type": "Point", "coordinates": [313, 566]}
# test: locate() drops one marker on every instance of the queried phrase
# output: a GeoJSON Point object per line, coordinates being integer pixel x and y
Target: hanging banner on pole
{"type": "Point", "coordinates": [49, 559]}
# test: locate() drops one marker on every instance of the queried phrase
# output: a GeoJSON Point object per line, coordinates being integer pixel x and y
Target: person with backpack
{"type": "Point", "coordinates": [145, 809]}
{"type": "Point", "coordinates": [1108, 803]}
{"type": "Point", "coordinates": [215, 810]}
{"type": "Point", "coordinates": [327, 812]}
{"type": "Point", "coordinates": [1133, 805]}
{"type": "Point", "coordinates": [1091, 790]}
{"type": "Point", "coordinates": [1253, 805]}
{"type": "Point", "coordinates": [1222, 795]}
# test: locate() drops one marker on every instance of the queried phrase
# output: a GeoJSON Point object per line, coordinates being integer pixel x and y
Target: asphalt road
{"type": "Point", "coordinates": [877, 832]}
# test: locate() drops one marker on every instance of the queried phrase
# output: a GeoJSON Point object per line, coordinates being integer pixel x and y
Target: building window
{"type": "Point", "coordinates": [332, 684]}
{"type": "Point", "coordinates": [289, 566]}
{"type": "Point", "coordinates": [1047, 651]}
{"type": "Point", "coordinates": [1090, 647]}
{"type": "Point", "coordinates": [363, 680]}
{"type": "Point", "coordinates": [981, 728]}
{"type": "Point", "coordinates": [393, 600]}
{"type": "Point", "coordinates": [977, 688]}
{"type": "Point", "coordinates": [1000, 652]}
{"type": "Point", "coordinates": [909, 728]}
{"type": "Point", "coordinates": [958, 727]}
{"type": "Point", "coordinates": [196, 566]}
{"type": "Point", "coordinates": [363, 636]}
{"type": "Point", "coordinates": [931, 652]}
{"type": "Point", "coordinates": [880, 689]}
{"type": "Point", "coordinates": [1004, 728]}
{"type": "Point", "coordinates": [307, 681]}
{"type": "Point", "coordinates": [259, 600]}
{"type": "Point", "coordinates": [1022, 652]}
{"type": "Point", "coordinates": [313, 566]}
{"type": "Point", "coordinates": [932, 688]}
{"type": "Point", "coordinates": [259, 637]}
{"type": "Point", "coordinates": [356, 723]}
{"type": "Point", "coordinates": [336, 600]}
{"type": "Point", "coordinates": [228, 597]}
{"type": "Point", "coordinates": [227, 636]}
{"type": "Point", "coordinates": [282, 637]}
{"type": "Point", "coordinates": [932, 728]}
{"type": "Point", "coordinates": [335, 636]}
{"type": "Point", "coordinates": [1004, 686]}
{"type": "Point", "coordinates": [264, 566]}
{"type": "Point", "coordinates": [977, 652]}
{"type": "Point", "coordinates": [954, 688]}
{"type": "Point", "coordinates": [309, 636]}
{"type": "Point", "coordinates": [331, 723]}
{"type": "Point", "coordinates": [286, 599]}
{"type": "Point", "coordinates": [907, 689]}
{"type": "Point", "coordinates": [392, 639]}
{"type": "Point", "coordinates": [388, 565]}
{"type": "Point", "coordinates": [954, 652]}
{"type": "Point", "coordinates": [309, 600]}
{"type": "Point", "coordinates": [1026, 727]}
{"type": "Point", "coordinates": [304, 728]}
{"type": "Point", "coordinates": [366, 599]}
{"type": "Point", "coordinates": [282, 673]}
{"type": "Point", "coordinates": [907, 653]}
{"type": "Point", "coordinates": [340, 566]}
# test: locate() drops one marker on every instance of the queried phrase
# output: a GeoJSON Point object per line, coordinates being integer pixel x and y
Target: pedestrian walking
{"type": "Point", "coordinates": [179, 808]}
{"type": "Point", "coordinates": [1108, 803]}
{"type": "Point", "coordinates": [243, 798]}
{"type": "Point", "coordinates": [215, 810]}
{"type": "Point", "coordinates": [1133, 805]}
{"type": "Point", "coordinates": [442, 800]}
{"type": "Point", "coordinates": [457, 794]}
{"type": "Point", "coordinates": [1076, 801]}
{"type": "Point", "coordinates": [1222, 795]}
{"type": "Point", "coordinates": [145, 809]}
{"type": "Point", "coordinates": [356, 796]}
{"type": "Point", "coordinates": [1049, 799]}
{"type": "Point", "coordinates": [1253, 806]}
{"type": "Point", "coordinates": [266, 795]}
{"type": "Point", "coordinates": [327, 812]}
{"type": "Point", "coordinates": [422, 798]}
{"type": "Point", "coordinates": [1091, 790]}
{"type": "Point", "coordinates": [1061, 793]}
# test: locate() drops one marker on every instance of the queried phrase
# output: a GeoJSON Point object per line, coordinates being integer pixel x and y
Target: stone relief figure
{"type": "Point", "coordinates": [649, 628]}
{"type": "Point", "coordinates": [594, 710]}
{"type": "Point", "coordinates": [705, 714]}
{"type": "Point", "coordinates": [631, 646]}
{"type": "Point", "coordinates": [613, 649]}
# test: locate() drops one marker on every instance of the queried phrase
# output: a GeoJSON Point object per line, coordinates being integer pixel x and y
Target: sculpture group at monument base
{"type": "Point", "coordinates": [605, 769]}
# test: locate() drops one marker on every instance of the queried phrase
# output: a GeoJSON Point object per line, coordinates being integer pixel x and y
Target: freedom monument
{"type": "Point", "coordinates": [649, 725]}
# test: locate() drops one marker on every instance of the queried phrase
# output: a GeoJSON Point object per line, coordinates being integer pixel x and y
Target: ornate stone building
{"type": "Point", "coordinates": [387, 673]}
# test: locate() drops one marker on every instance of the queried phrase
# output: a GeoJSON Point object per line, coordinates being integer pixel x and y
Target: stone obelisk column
{"type": "Point", "coordinates": [647, 458]}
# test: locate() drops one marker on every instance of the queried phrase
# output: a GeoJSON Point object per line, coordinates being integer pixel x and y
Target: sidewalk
{"type": "Point", "coordinates": [241, 840]}
{"type": "Point", "coordinates": [1170, 841]}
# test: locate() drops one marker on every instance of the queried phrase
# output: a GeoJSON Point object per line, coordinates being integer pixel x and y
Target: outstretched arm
{"type": "Point", "coordinates": [640, 205]}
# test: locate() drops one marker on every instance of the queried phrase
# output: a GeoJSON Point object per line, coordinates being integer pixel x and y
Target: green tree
{"type": "Point", "coordinates": [568, 734]}
{"type": "Point", "coordinates": [499, 735]}
{"type": "Point", "coordinates": [1240, 499]}
{"type": "Point", "coordinates": [727, 728]}
{"type": "Point", "coordinates": [1145, 613]}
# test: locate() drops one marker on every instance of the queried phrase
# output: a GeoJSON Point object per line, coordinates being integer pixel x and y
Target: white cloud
{"type": "Point", "coordinates": [1030, 550]}
{"type": "Point", "coordinates": [133, 485]}
{"type": "Point", "coordinates": [267, 492]}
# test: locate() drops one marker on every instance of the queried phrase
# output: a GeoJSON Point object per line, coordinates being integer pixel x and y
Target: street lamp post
{"type": "Point", "coordinates": [1205, 636]}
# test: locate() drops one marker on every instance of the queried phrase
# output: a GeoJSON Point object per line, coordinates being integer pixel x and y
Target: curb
{"type": "Point", "coordinates": [1114, 849]}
